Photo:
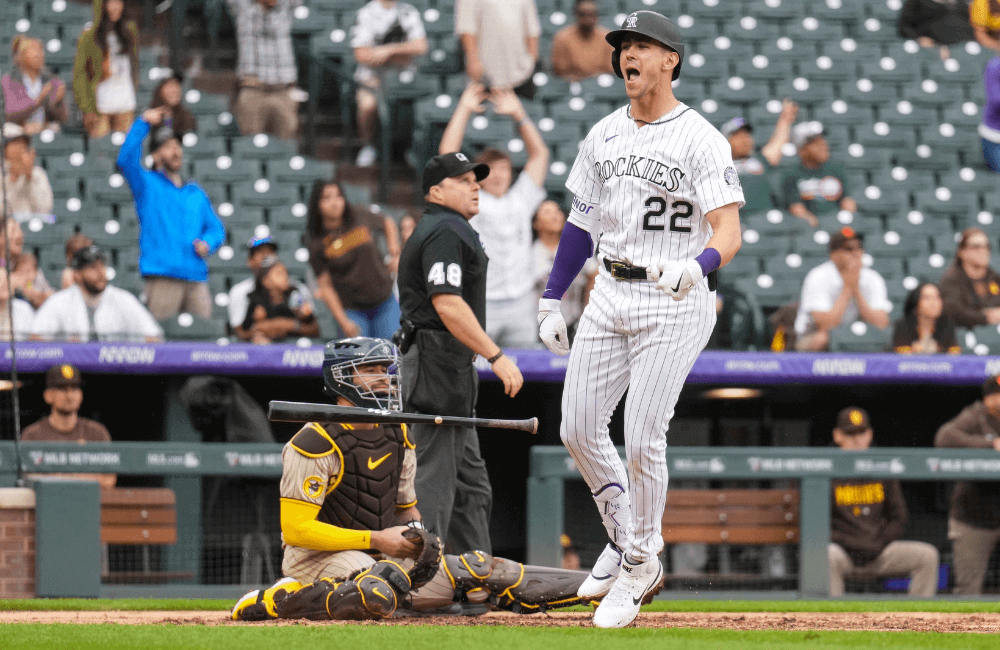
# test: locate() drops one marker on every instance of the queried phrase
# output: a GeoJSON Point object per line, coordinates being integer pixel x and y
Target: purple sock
{"type": "Point", "coordinates": [709, 260]}
{"type": "Point", "coordinates": [575, 247]}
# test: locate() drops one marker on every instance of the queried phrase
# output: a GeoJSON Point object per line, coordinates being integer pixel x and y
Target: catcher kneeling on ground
{"type": "Point", "coordinates": [354, 547]}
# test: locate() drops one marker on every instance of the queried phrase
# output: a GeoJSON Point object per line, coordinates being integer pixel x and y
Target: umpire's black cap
{"type": "Point", "coordinates": [449, 165]}
{"type": "Point", "coordinates": [653, 25]}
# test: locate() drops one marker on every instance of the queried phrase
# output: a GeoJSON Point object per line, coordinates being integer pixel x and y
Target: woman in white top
{"type": "Point", "coordinates": [106, 70]}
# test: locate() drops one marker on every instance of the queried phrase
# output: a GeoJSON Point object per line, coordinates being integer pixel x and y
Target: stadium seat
{"type": "Point", "coordinates": [859, 337]}
{"type": "Point", "coordinates": [878, 30]}
{"type": "Point", "coordinates": [927, 157]}
{"type": "Point", "coordinates": [810, 28]}
{"type": "Point", "coordinates": [982, 340]}
{"type": "Point", "coordinates": [770, 292]}
{"type": "Point", "coordinates": [739, 91]}
{"type": "Point", "coordinates": [945, 243]}
{"type": "Point", "coordinates": [300, 170]}
{"type": "Point", "coordinates": [750, 29]}
{"type": "Point", "coordinates": [760, 67]}
{"type": "Point", "coordinates": [843, 113]}
{"type": "Point", "coordinates": [604, 88]}
{"type": "Point", "coordinates": [882, 135]}
{"type": "Point", "coordinates": [698, 66]}
{"type": "Point", "coordinates": [187, 327]}
{"type": "Point", "coordinates": [713, 9]}
{"type": "Point", "coordinates": [848, 50]}
{"type": "Point", "coordinates": [107, 190]}
{"type": "Point", "coordinates": [263, 147]}
{"type": "Point", "coordinates": [867, 92]}
{"type": "Point", "coordinates": [968, 179]}
{"type": "Point", "coordinates": [890, 268]}
{"type": "Point", "coordinates": [946, 138]}
{"type": "Point", "coordinates": [264, 194]}
{"type": "Point", "coordinates": [696, 30]}
{"type": "Point", "coordinates": [807, 92]}
{"type": "Point", "coordinates": [943, 201]}
{"type": "Point", "coordinates": [204, 147]}
{"type": "Point", "coordinates": [774, 222]}
{"type": "Point", "coordinates": [226, 169]}
{"type": "Point", "coordinates": [895, 244]}
{"type": "Point", "coordinates": [824, 68]}
{"type": "Point", "coordinates": [741, 266]}
{"type": "Point", "coordinates": [892, 69]}
{"type": "Point", "coordinates": [763, 244]}
{"type": "Point", "coordinates": [928, 92]}
{"type": "Point", "coordinates": [875, 200]}
{"type": "Point", "coordinates": [968, 115]}
{"type": "Point", "coordinates": [929, 266]}
{"type": "Point", "coordinates": [902, 179]}
{"type": "Point", "coordinates": [489, 130]}
{"type": "Point", "coordinates": [914, 222]}
{"type": "Point", "coordinates": [904, 113]}
{"type": "Point", "coordinates": [792, 266]}
{"type": "Point", "coordinates": [813, 244]}
{"type": "Point", "coordinates": [50, 143]}
{"type": "Point", "coordinates": [726, 48]}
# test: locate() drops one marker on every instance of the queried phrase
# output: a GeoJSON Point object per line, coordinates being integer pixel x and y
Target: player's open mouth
{"type": "Point", "coordinates": [631, 74]}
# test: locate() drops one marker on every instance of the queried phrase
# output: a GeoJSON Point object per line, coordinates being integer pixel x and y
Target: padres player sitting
{"type": "Point", "coordinates": [349, 519]}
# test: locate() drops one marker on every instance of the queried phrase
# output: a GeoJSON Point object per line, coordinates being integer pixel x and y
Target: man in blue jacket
{"type": "Point", "coordinates": [178, 228]}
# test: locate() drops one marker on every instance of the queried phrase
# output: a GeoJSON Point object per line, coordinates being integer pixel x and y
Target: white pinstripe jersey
{"type": "Point", "coordinates": [653, 185]}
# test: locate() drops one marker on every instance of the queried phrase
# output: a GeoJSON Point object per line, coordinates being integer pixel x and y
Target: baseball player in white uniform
{"type": "Point", "coordinates": [655, 184]}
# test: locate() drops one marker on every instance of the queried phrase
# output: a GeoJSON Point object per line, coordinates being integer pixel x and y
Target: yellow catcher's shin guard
{"type": "Point", "coordinates": [372, 594]}
{"type": "Point", "coordinates": [259, 604]}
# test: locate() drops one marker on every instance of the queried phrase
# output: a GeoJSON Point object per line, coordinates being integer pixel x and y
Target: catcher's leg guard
{"type": "Point", "coordinates": [510, 585]}
{"type": "Point", "coordinates": [259, 604]}
{"type": "Point", "coordinates": [374, 593]}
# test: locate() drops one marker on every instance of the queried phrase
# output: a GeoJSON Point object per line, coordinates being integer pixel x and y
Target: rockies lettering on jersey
{"type": "Point", "coordinates": [653, 170]}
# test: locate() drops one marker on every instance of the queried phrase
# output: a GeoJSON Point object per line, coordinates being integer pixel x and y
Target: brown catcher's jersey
{"type": "Point", "coordinates": [358, 477]}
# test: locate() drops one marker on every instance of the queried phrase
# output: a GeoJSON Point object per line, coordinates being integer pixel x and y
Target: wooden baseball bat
{"type": "Point", "coordinates": [309, 412]}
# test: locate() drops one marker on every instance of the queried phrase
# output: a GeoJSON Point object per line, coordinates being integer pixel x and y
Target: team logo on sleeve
{"type": "Point", "coordinates": [312, 487]}
{"type": "Point", "coordinates": [732, 178]}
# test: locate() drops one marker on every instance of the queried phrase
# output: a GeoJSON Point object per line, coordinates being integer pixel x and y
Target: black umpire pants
{"type": "Point", "coordinates": [453, 487]}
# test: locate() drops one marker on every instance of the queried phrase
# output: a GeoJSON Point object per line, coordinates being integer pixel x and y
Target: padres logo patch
{"type": "Point", "coordinates": [67, 370]}
{"type": "Point", "coordinates": [856, 418]}
{"type": "Point", "coordinates": [732, 178]}
{"type": "Point", "coordinates": [994, 288]}
{"type": "Point", "coordinates": [312, 487]}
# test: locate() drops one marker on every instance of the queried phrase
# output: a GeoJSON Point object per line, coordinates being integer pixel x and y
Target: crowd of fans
{"type": "Point", "coordinates": [353, 252]}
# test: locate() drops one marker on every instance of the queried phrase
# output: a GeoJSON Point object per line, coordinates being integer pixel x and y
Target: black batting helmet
{"type": "Point", "coordinates": [341, 360]}
{"type": "Point", "coordinates": [653, 25]}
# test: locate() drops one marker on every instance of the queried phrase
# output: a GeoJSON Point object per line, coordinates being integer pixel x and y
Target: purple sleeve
{"type": "Point", "coordinates": [991, 79]}
{"type": "Point", "coordinates": [575, 247]}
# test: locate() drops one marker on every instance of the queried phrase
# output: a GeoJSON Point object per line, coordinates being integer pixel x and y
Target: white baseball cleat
{"type": "Point", "coordinates": [636, 584]}
{"type": "Point", "coordinates": [602, 576]}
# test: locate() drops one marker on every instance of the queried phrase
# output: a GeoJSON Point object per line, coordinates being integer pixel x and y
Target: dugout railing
{"type": "Point", "coordinates": [185, 465]}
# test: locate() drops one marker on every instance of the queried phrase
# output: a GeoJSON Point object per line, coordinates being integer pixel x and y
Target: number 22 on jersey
{"type": "Point", "coordinates": [655, 207]}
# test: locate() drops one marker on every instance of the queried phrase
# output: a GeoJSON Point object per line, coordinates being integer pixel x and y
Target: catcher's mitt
{"type": "Point", "coordinates": [426, 557]}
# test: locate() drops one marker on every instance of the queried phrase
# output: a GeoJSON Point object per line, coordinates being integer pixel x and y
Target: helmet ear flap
{"type": "Point", "coordinates": [616, 62]}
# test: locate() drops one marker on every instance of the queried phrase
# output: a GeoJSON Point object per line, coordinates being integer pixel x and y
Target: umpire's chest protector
{"type": "Point", "coordinates": [363, 497]}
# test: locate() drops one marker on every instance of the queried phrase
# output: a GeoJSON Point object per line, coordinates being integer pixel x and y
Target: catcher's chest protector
{"type": "Point", "coordinates": [365, 496]}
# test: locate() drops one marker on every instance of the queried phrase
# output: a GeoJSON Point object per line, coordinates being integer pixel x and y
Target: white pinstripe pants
{"type": "Point", "coordinates": [631, 334]}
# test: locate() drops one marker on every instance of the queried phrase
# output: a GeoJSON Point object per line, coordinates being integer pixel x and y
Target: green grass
{"type": "Point", "coordinates": [188, 605]}
{"type": "Point", "coordinates": [112, 637]}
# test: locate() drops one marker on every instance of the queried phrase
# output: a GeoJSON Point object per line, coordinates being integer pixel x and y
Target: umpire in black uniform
{"type": "Point", "coordinates": [442, 291]}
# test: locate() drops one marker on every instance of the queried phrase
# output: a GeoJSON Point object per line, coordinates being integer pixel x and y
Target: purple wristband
{"type": "Point", "coordinates": [575, 246]}
{"type": "Point", "coordinates": [709, 260]}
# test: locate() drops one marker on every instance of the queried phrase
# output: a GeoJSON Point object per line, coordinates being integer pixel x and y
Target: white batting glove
{"type": "Point", "coordinates": [676, 279]}
{"type": "Point", "coordinates": [552, 327]}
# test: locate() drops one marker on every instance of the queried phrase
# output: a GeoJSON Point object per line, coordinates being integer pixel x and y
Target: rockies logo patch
{"type": "Point", "coordinates": [732, 178]}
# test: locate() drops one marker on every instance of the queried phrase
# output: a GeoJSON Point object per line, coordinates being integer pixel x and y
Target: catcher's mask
{"type": "Point", "coordinates": [342, 360]}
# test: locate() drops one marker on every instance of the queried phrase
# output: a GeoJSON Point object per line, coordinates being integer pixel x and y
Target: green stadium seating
{"type": "Point", "coordinates": [713, 9]}
{"type": "Point", "coordinates": [860, 337]}
{"type": "Point", "coordinates": [697, 30]}
{"type": "Point", "coordinates": [966, 116]}
{"type": "Point", "coordinates": [752, 30]}
{"type": "Point", "coordinates": [179, 328]}
{"type": "Point", "coordinates": [968, 179]}
{"type": "Point", "coordinates": [943, 201]}
{"type": "Point", "coordinates": [866, 92]}
{"type": "Point", "coordinates": [916, 223]}
{"type": "Point", "coordinates": [928, 267]}
{"type": "Point", "coordinates": [107, 190]}
{"type": "Point", "coordinates": [875, 200]}
{"type": "Point", "coordinates": [894, 244]}
{"type": "Point", "coordinates": [760, 67]}
{"type": "Point", "coordinates": [813, 244]}
{"type": "Point", "coordinates": [763, 244]}
{"type": "Point", "coordinates": [843, 113]}
{"type": "Point", "coordinates": [904, 113]}
{"type": "Point", "coordinates": [775, 10]}
{"type": "Point", "coordinates": [227, 169]}
{"type": "Point", "coordinates": [48, 144]}
{"type": "Point", "coordinates": [983, 340]}
{"type": "Point", "coordinates": [892, 70]}
{"type": "Point", "coordinates": [807, 92]}
{"type": "Point", "coordinates": [811, 29]}
{"type": "Point", "coordinates": [741, 267]}
{"type": "Point", "coordinates": [779, 292]}
{"type": "Point", "coordinates": [890, 268]}
{"type": "Point", "coordinates": [928, 92]}
{"type": "Point", "coordinates": [792, 266]}
{"type": "Point", "coordinates": [263, 147]}
{"type": "Point", "coordinates": [837, 11]}
{"type": "Point", "coordinates": [928, 158]}
{"type": "Point", "coordinates": [882, 135]}
{"type": "Point", "coordinates": [699, 66]}
{"type": "Point", "coordinates": [489, 130]}
{"type": "Point", "coordinates": [264, 194]}
{"type": "Point", "coordinates": [945, 243]}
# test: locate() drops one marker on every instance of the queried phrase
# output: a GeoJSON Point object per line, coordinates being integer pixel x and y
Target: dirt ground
{"type": "Point", "coordinates": [880, 622]}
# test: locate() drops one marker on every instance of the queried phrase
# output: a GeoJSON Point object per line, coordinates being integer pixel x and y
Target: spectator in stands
{"type": "Point", "coordinates": [816, 186]}
{"type": "Point", "coordinates": [28, 281]}
{"type": "Point", "coordinates": [92, 309]}
{"type": "Point", "coordinates": [500, 42]}
{"type": "Point", "coordinates": [258, 248]}
{"type": "Point", "coordinates": [757, 172]}
{"type": "Point", "coordinates": [505, 214]}
{"type": "Point", "coordinates": [28, 190]}
{"type": "Point", "coordinates": [278, 309]}
{"type": "Point", "coordinates": [178, 228]}
{"type": "Point", "coordinates": [868, 518]}
{"type": "Point", "coordinates": [838, 292]}
{"type": "Point", "coordinates": [924, 327]}
{"type": "Point", "coordinates": [387, 36]}
{"type": "Point", "coordinates": [75, 242]}
{"type": "Point", "coordinates": [971, 289]}
{"type": "Point", "coordinates": [579, 50]}
{"type": "Point", "coordinates": [974, 516]}
{"type": "Point", "coordinates": [35, 99]}
{"type": "Point", "coordinates": [352, 273]}
{"type": "Point", "coordinates": [548, 225]}
{"type": "Point", "coordinates": [106, 70]}
{"type": "Point", "coordinates": [64, 395]}
{"type": "Point", "coordinates": [989, 128]}
{"type": "Point", "coordinates": [985, 18]}
{"type": "Point", "coordinates": [178, 117]}
{"type": "Point", "coordinates": [934, 23]}
{"type": "Point", "coordinates": [23, 314]}
{"type": "Point", "coordinates": [265, 67]}
{"type": "Point", "coordinates": [406, 226]}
